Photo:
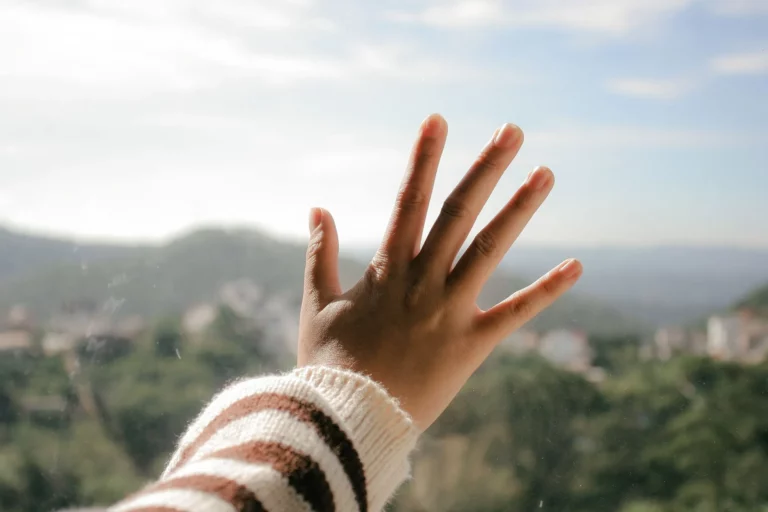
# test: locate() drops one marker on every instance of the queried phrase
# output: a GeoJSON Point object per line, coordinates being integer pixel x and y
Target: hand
{"type": "Point", "coordinates": [412, 323]}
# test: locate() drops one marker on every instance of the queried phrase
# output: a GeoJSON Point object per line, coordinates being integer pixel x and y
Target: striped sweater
{"type": "Point", "coordinates": [317, 439]}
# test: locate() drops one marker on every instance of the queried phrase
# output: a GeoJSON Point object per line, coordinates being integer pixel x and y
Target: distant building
{"type": "Point", "coordinates": [756, 349]}
{"type": "Point", "coordinates": [198, 318]}
{"type": "Point", "coordinates": [77, 322]}
{"type": "Point", "coordinates": [727, 337]}
{"type": "Point", "coordinates": [276, 316]}
{"type": "Point", "coordinates": [55, 343]}
{"type": "Point", "coordinates": [567, 348]}
{"type": "Point", "coordinates": [739, 337]}
{"type": "Point", "coordinates": [519, 342]}
{"type": "Point", "coordinates": [20, 317]}
{"type": "Point", "coordinates": [16, 340]}
{"type": "Point", "coordinates": [674, 340]}
{"type": "Point", "coordinates": [697, 343]}
{"type": "Point", "coordinates": [669, 341]}
{"type": "Point", "coordinates": [279, 318]}
{"type": "Point", "coordinates": [243, 296]}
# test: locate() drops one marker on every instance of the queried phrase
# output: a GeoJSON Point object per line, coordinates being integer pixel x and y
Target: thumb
{"type": "Point", "coordinates": [321, 275]}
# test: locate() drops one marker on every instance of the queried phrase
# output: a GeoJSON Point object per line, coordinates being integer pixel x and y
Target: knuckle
{"type": "Point", "coordinates": [314, 247]}
{"type": "Point", "coordinates": [414, 294]}
{"type": "Point", "coordinates": [521, 308]}
{"type": "Point", "coordinates": [486, 244]}
{"type": "Point", "coordinates": [425, 153]}
{"type": "Point", "coordinates": [411, 199]}
{"type": "Point", "coordinates": [525, 200]}
{"type": "Point", "coordinates": [489, 161]}
{"type": "Point", "coordinates": [454, 209]}
{"type": "Point", "coordinates": [550, 286]}
{"type": "Point", "coordinates": [377, 270]}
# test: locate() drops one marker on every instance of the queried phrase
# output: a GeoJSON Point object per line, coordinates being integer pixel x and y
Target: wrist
{"type": "Point", "coordinates": [383, 434]}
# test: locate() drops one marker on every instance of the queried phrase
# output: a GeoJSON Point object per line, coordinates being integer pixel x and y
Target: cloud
{"type": "Point", "coordinates": [115, 49]}
{"type": "Point", "coordinates": [141, 47]}
{"type": "Point", "coordinates": [657, 89]}
{"type": "Point", "coordinates": [612, 17]}
{"type": "Point", "coordinates": [404, 63]}
{"type": "Point", "coordinates": [741, 63]}
{"type": "Point", "coordinates": [739, 7]}
{"type": "Point", "coordinates": [9, 150]}
{"type": "Point", "coordinates": [635, 137]}
{"type": "Point", "coordinates": [272, 15]}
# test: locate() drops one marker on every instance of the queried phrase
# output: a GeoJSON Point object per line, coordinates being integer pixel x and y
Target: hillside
{"type": "Point", "coordinates": [165, 279]}
{"type": "Point", "coordinates": [662, 285]}
{"type": "Point", "coordinates": [658, 285]}
{"type": "Point", "coordinates": [757, 300]}
{"type": "Point", "coordinates": [21, 253]}
{"type": "Point", "coordinates": [152, 281]}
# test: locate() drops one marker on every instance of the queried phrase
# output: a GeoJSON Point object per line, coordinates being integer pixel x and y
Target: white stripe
{"type": "Point", "coordinates": [282, 427]}
{"type": "Point", "coordinates": [182, 499]}
{"type": "Point", "coordinates": [286, 385]}
{"type": "Point", "coordinates": [218, 403]}
{"type": "Point", "coordinates": [269, 486]}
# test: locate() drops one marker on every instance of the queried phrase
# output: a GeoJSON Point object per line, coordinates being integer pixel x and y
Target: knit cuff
{"type": "Point", "coordinates": [383, 434]}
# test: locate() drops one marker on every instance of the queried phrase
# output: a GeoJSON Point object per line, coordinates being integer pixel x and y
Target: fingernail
{"type": "Point", "coordinates": [539, 178]}
{"type": "Point", "coordinates": [315, 217]}
{"type": "Point", "coordinates": [570, 269]}
{"type": "Point", "coordinates": [432, 125]}
{"type": "Point", "coordinates": [507, 136]}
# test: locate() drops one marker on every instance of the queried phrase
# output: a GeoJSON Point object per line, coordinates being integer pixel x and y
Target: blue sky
{"type": "Point", "coordinates": [143, 119]}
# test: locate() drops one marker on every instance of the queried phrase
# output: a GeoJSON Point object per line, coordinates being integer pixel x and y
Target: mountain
{"type": "Point", "coordinates": [658, 285]}
{"type": "Point", "coordinates": [661, 285]}
{"type": "Point", "coordinates": [154, 280]}
{"type": "Point", "coordinates": [756, 300]}
{"type": "Point", "coordinates": [21, 253]}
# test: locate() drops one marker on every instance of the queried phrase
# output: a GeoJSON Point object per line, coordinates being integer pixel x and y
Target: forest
{"type": "Point", "coordinates": [688, 434]}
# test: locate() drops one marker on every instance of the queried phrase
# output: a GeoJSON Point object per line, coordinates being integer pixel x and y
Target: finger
{"type": "Point", "coordinates": [321, 274]}
{"type": "Point", "coordinates": [465, 202]}
{"type": "Point", "coordinates": [406, 225]}
{"type": "Point", "coordinates": [509, 315]}
{"type": "Point", "coordinates": [492, 243]}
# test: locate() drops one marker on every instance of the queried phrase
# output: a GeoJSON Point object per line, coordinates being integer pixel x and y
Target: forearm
{"type": "Point", "coordinates": [316, 439]}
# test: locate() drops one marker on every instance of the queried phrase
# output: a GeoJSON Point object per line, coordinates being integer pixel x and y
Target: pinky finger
{"type": "Point", "coordinates": [512, 313]}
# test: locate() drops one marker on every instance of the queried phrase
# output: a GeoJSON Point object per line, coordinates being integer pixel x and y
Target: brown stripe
{"type": "Point", "coordinates": [304, 411]}
{"type": "Point", "coordinates": [302, 473]}
{"type": "Point", "coordinates": [155, 509]}
{"type": "Point", "coordinates": [242, 498]}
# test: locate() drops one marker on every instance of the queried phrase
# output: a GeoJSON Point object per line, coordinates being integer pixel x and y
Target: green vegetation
{"type": "Point", "coordinates": [94, 431]}
{"type": "Point", "coordinates": [757, 300]}
{"type": "Point", "coordinates": [688, 434]}
{"type": "Point", "coordinates": [88, 428]}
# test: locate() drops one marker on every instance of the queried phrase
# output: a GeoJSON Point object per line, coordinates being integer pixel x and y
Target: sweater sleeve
{"type": "Point", "coordinates": [317, 439]}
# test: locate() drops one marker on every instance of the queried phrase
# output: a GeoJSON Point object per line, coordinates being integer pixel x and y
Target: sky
{"type": "Point", "coordinates": [142, 119]}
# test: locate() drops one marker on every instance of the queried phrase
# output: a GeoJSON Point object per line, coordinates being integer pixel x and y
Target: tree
{"type": "Point", "coordinates": [146, 403]}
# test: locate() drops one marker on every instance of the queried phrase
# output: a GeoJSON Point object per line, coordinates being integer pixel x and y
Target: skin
{"type": "Point", "coordinates": [412, 322]}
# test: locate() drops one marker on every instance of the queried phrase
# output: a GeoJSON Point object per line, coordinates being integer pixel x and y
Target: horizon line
{"type": "Point", "coordinates": [36, 232]}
